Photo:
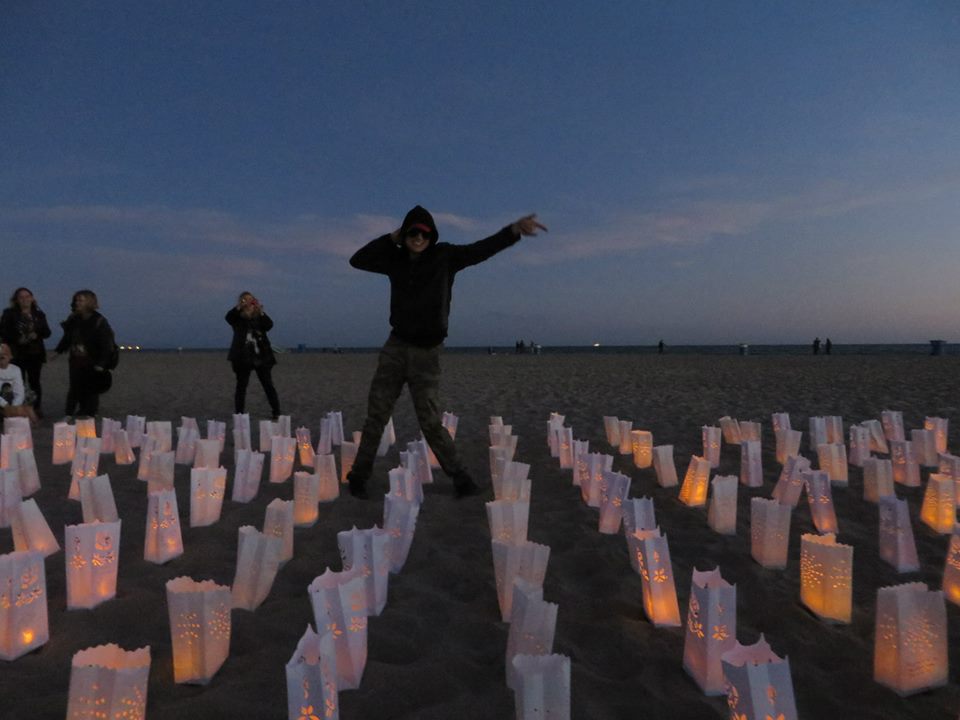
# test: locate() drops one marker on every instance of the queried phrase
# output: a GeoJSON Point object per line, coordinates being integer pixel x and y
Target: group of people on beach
{"type": "Point", "coordinates": [827, 346]}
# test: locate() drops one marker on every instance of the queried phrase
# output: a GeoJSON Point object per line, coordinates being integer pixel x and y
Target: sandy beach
{"type": "Point", "coordinates": [437, 650]}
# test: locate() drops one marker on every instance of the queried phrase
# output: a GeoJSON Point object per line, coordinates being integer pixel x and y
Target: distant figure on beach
{"type": "Point", "coordinates": [660, 347]}
{"type": "Point", "coordinates": [23, 326]}
{"type": "Point", "coordinates": [88, 337]}
{"type": "Point", "coordinates": [816, 346]}
{"type": "Point", "coordinates": [827, 347]}
{"type": "Point", "coordinates": [250, 351]}
{"type": "Point", "coordinates": [12, 391]}
{"type": "Point", "coordinates": [421, 273]}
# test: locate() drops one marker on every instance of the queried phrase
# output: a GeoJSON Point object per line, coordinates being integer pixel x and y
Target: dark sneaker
{"type": "Point", "coordinates": [464, 486]}
{"type": "Point", "coordinates": [358, 486]}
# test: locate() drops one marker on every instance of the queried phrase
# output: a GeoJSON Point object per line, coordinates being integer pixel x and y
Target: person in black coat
{"type": "Point", "coordinates": [23, 326]}
{"type": "Point", "coordinates": [88, 337]}
{"type": "Point", "coordinates": [250, 350]}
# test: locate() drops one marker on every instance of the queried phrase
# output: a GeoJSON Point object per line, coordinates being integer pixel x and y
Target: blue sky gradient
{"type": "Point", "coordinates": [711, 172]}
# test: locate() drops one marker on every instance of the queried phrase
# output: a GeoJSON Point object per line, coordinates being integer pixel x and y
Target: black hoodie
{"type": "Point", "coordinates": [421, 287]}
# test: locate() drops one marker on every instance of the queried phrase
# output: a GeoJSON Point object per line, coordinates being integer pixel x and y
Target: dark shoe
{"type": "Point", "coordinates": [358, 486]}
{"type": "Point", "coordinates": [464, 486]}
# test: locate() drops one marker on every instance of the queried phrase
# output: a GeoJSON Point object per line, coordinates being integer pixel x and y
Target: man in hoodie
{"type": "Point", "coordinates": [421, 273]}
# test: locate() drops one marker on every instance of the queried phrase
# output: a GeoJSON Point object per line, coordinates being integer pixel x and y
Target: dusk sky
{"type": "Point", "coordinates": [711, 172]}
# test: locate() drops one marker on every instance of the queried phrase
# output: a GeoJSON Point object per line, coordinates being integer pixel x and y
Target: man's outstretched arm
{"type": "Point", "coordinates": [467, 255]}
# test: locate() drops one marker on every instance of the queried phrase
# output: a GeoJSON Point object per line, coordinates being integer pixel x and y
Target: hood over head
{"type": "Point", "coordinates": [420, 216]}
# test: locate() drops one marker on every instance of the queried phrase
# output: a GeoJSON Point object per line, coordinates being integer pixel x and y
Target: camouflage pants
{"type": "Point", "coordinates": [419, 368]}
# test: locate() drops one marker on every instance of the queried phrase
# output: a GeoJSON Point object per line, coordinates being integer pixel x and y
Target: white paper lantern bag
{"type": "Point", "coordinates": [27, 472]}
{"type": "Point", "coordinates": [339, 608]}
{"type": "Point", "coordinates": [305, 447]}
{"type": "Point", "coordinates": [565, 448]}
{"type": "Point", "coordinates": [258, 559]}
{"type": "Point", "coordinates": [892, 421]}
{"type": "Point", "coordinates": [525, 560]}
{"type": "Point", "coordinates": [554, 425]}
{"type": "Point", "coordinates": [939, 427]}
{"type": "Point", "coordinates": [788, 444]}
{"type": "Point", "coordinates": [148, 446]}
{"type": "Point", "coordinates": [109, 682]}
{"type": "Point", "coordinates": [161, 473]}
{"type": "Point", "coordinates": [199, 614]}
{"type": "Point", "coordinates": [312, 679]}
{"type": "Point", "coordinates": [498, 420]}
{"type": "Point", "coordinates": [162, 432]}
{"type": "Point", "coordinates": [86, 461]}
{"type": "Point", "coordinates": [268, 431]}
{"type": "Point", "coordinates": [91, 563]}
{"type": "Point", "coordinates": [348, 453]}
{"type": "Point", "coordinates": [531, 631]}
{"type": "Point", "coordinates": [64, 442]}
{"type": "Point", "coordinates": [325, 467]}
{"type": "Point", "coordinates": [696, 482]}
{"type": "Point", "coordinates": [542, 687]}
{"type": "Point", "coordinates": [122, 452]}
{"type": "Point", "coordinates": [400, 520]}
{"type": "Point", "coordinates": [336, 426]}
{"type": "Point", "coordinates": [186, 445]}
{"type": "Point", "coordinates": [751, 467]}
{"type": "Point", "coordinates": [404, 485]}
{"type": "Point", "coordinates": [591, 483]}
{"type": "Point", "coordinates": [906, 469]}
{"type": "Point", "coordinates": [241, 432]}
{"type": "Point", "coordinates": [664, 466]}
{"type": "Point", "coordinates": [23, 604]}
{"type": "Point", "coordinates": [820, 499]}
{"type": "Point", "coordinates": [626, 446]}
{"type": "Point", "coordinates": [207, 454]}
{"type": "Point", "coordinates": [283, 452]}
{"type": "Point", "coordinates": [826, 577]}
{"type": "Point", "coordinates": [217, 430]}
{"type": "Point", "coordinates": [508, 520]}
{"type": "Point", "coordinates": [616, 488]}
{"type": "Point", "coordinates": [278, 522]}
{"type": "Point", "coordinates": [514, 483]}
{"type": "Point", "coordinates": [769, 532]}
{"type": "Point", "coordinates": [750, 431]}
{"type": "Point", "coordinates": [31, 531]}
{"type": "Point", "coordinates": [366, 550]}
{"type": "Point", "coordinates": [207, 488]}
{"type": "Point", "coordinates": [499, 457]}
{"type": "Point", "coordinates": [306, 499]}
{"type": "Point", "coordinates": [10, 498]}
{"type": "Point", "coordinates": [638, 514]}
{"type": "Point", "coordinates": [581, 448]}
{"type": "Point", "coordinates": [877, 479]}
{"type": "Point", "coordinates": [711, 629]}
{"type": "Point", "coordinates": [780, 421]}
{"type": "Point", "coordinates": [925, 447]}
{"type": "Point", "coordinates": [731, 430]}
{"type": "Point", "coordinates": [758, 682]}
{"type": "Point", "coordinates": [790, 484]}
{"type": "Point", "coordinates": [939, 508]}
{"type": "Point", "coordinates": [502, 437]}
{"type": "Point", "coordinates": [656, 579]}
{"type": "Point", "coordinates": [134, 427]}
{"type": "Point", "coordinates": [897, 546]}
{"type": "Point", "coordinates": [448, 420]}
{"type": "Point", "coordinates": [947, 464]}
{"type": "Point", "coordinates": [910, 643]}
{"type": "Point", "coordinates": [951, 568]}
{"type": "Point", "coordinates": [859, 445]}
{"type": "Point", "coordinates": [611, 426]}
{"type": "Point", "coordinates": [324, 442]}
{"type": "Point", "coordinates": [818, 433]}
{"type": "Point", "coordinates": [19, 427]}
{"type": "Point", "coordinates": [722, 512]}
{"type": "Point", "coordinates": [246, 475]}
{"type": "Point", "coordinates": [834, 429]}
{"type": "Point", "coordinates": [163, 540]}
{"type": "Point", "coordinates": [96, 500]}
{"type": "Point", "coordinates": [832, 459]}
{"type": "Point", "coordinates": [711, 444]}
{"type": "Point", "coordinates": [86, 427]}
{"type": "Point", "coordinates": [878, 441]}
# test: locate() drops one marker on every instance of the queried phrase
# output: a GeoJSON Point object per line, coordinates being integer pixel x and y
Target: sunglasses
{"type": "Point", "coordinates": [418, 233]}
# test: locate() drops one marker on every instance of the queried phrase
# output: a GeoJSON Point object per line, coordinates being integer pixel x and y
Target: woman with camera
{"type": "Point", "coordinates": [88, 337]}
{"type": "Point", "coordinates": [250, 350]}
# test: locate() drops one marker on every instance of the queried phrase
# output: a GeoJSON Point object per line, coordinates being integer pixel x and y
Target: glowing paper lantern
{"type": "Point", "coordinates": [939, 508]}
{"type": "Point", "coordinates": [910, 644]}
{"type": "Point", "coordinates": [161, 472]}
{"type": "Point", "coordinates": [403, 484]}
{"type": "Point", "coordinates": [10, 498]}
{"type": "Point", "coordinates": [339, 608]}
{"type": "Point", "coordinates": [122, 452]}
{"type": "Point", "coordinates": [400, 520]}
{"type": "Point", "coordinates": [31, 531]}
{"type": "Point", "coordinates": [325, 467]}
{"type": "Point", "coordinates": [897, 545]}
{"type": "Point", "coordinates": [832, 459]}
{"type": "Point", "coordinates": [27, 472]}
{"type": "Point", "coordinates": [305, 447]}
{"type": "Point", "coordinates": [906, 470]}
{"type": "Point", "coordinates": [616, 488]}
{"type": "Point", "coordinates": [758, 683]}
{"type": "Point", "coordinates": [834, 429]}
{"type": "Point", "coordinates": [731, 430]}
{"type": "Point", "coordinates": [554, 426]}
{"type": "Point", "coordinates": [268, 431]}
{"type": "Point", "coordinates": [626, 447]}
{"type": "Point", "coordinates": [892, 421]}
{"type": "Point", "coordinates": [780, 421]}
{"type": "Point", "coordinates": [938, 426]}
{"type": "Point", "coordinates": [366, 550]}
{"type": "Point", "coordinates": [925, 447]}
{"type": "Point", "coordinates": [542, 686]}
{"type": "Point", "coordinates": [241, 432]}
{"type": "Point", "coordinates": [64, 442]}
{"type": "Point", "coordinates": [524, 560]}
{"type": "Point", "coordinates": [722, 513]}
{"type": "Point", "coordinates": [878, 441]}
{"type": "Point", "coordinates": [199, 614]}
{"type": "Point", "coordinates": [312, 679]}
{"type": "Point", "coordinates": [91, 563]}
{"type": "Point", "coordinates": [186, 445]}
{"type": "Point", "coordinates": [826, 577]}
{"type": "Point", "coordinates": [711, 629]}
{"type": "Point", "coordinates": [283, 451]}
{"type": "Point", "coordinates": [23, 604]}
{"type": "Point", "coordinates": [514, 483]}
{"type": "Point", "coordinates": [818, 433]}
{"type": "Point", "coordinates": [769, 532]}
{"type": "Point", "coordinates": [499, 456]}
{"type": "Point", "coordinates": [306, 499]}
{"type": "Point", "coordinates": [189, 423]}
{"type": "Point", "coordinates": [790, 484]}
{"type": "Point", "coordinates": [246, 475]}
{"type": "Point", "coordinates": [207, 488]}
{"type": "Point", "coordinates": [652, 555]}
{"type": "Point", "coordinates": [641, 442]}
{"type": "Point", "coordinates": [951, 569]}
{"type": "Point", "coordinates": [96, 500]}
{"type": "Point", "coordinates": [750, 430]}
{"type": "Point", "coordinates": [502, 437]}
{"type": "Point", "coordinates": [163, 539]}
{"type": "Point", "coordinates": [86, 428]}
{"type": "Point", "coordinates": [638, 514]}
{"type": "Point", "coordinates": [948, 464]}
{"type": "Point", "coordinates": [348, 453]}
{"type": "Point", "coordinates": [416, 459]}
{"type": "Point", "coordinates": [664, 466]}
{"type": "Point", "coordinates": [162, 433]}
{"type": "Point", "coordinates": [208, 454]}
{"type": "Point", "coordinates": [711, 444]}
{"type": "Point", "coordinates": [134, 427]}
{"type": "Point", "coordinates": [508, 520]}
{"type": "Point", "coordinates": [86, 460]}
{"type": "Point", "coordinates": [565, 448]}
{"type": "Point", "coordinates": [258, 559]}
{"type": "Point", "coordinates": [335, 418]}
{"type": "Point", "coordinates": [788, 444]}
{"type": "Point", "coordinates": [751, 467]}
{"type": "Point", "coordinates": [278, 522]}
{"type": "Point", "coordinates": [611, 426]}
{"type": "Point", "coordinates": [283, 425]}
{"type": "Point", "coordinates": [19, 427]}
{"type": "Point", "coordinates": [109, 682]}
{"type": "Point", "coordinates": [591, 490]}
{"type": "Point", "coordinates": [531, 632]}
{"type": "Point", "coordinates": [693, 492]}
{"type": "Point", "coordinates": [217, 430]}
{"type": "Point", "coordinates": [324, 444]}
{"type": "Point", "coordinates": [877, 479]}
{"type": "Point", "coordinates": [820, 498]}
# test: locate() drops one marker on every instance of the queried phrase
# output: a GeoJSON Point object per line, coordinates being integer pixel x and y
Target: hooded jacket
{"type": "Point", "coordinates": [421, 287]}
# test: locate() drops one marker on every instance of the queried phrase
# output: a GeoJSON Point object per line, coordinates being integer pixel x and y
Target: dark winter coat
{"type": "Point", "coordinates": [88, 339]}
{"type": "Point", "coordinates": [25, 334]}
{"type": "Point", "coordinates": [250, 346]}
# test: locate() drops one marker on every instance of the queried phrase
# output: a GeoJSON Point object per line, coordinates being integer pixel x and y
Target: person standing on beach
{"type": "Point", "coordinates": [421, 273]}
{"type": "Point", "coordinates": [88, 337]}
{"type": "Point", "coordinates": [12, 393]}
{"type": "Point", "coordinates": [23, 326]}
{"type": "Point", "coordinates": [250, 351]}
{"type": "Point", "coordinates": [816, 346]}
{"type": "Point", "coordinates": [828, 346]}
